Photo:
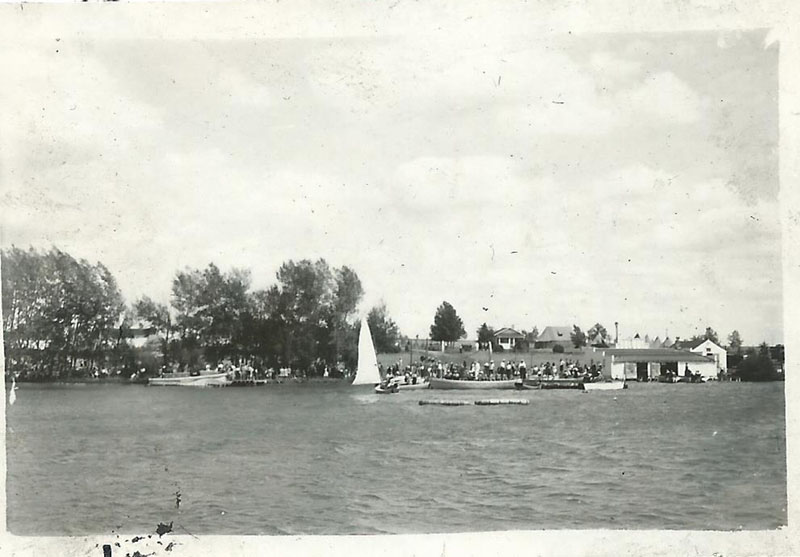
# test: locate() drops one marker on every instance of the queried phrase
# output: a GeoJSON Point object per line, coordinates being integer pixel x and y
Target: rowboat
{"type": "Point", "coordinates": [605, 386]}
{"type": "Point", "coordinates": [454, 384]}
{"type": "Point", "coordinates": [557, 383]}
{"type": "Point", "coordinates": [186, 380]}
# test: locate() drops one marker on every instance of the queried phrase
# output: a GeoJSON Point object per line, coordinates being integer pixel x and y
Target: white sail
{"type": "Point", "coordinates": [367, 372]}
{"type": "Point", "coordinates": [12, 397]}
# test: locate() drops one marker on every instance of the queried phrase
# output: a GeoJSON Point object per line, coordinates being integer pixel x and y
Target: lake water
{"type": "Point", "coordinates": [321, 460]}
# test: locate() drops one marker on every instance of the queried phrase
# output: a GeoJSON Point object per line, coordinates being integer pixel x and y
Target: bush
{"type": "Point", "coordinates": [558, 349]}
{"type": "Point", "coordinates": [756, 368]}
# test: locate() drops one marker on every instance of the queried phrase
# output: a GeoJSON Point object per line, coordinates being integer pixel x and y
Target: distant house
{"type": "Point", "coordinates": [713, 350]}
{"type": "Point", "coordinates": [551, 336]}
{"type": "Point", "coordinates": [508, 338]}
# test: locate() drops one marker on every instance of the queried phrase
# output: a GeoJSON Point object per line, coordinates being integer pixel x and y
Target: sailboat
{"type": "Point", "coordinates": [367, 371]}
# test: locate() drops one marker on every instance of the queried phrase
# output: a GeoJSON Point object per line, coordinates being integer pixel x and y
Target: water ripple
{"type": "Point", "coordinates": [297, 460]}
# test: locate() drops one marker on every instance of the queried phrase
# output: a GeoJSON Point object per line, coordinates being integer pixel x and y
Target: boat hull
{"type": "Point", "coordinates": [396, 388]}
{"type": "Point", "coordinates": [210, 380]}
{"type": "Point", "coordinates": [456, 384]}
{"type": "Point", "coordinates": [605, 386]}
{"type": "Point", "coordinates": [554, 383]}
{"type": "Point", "coordinates": [415, 387]}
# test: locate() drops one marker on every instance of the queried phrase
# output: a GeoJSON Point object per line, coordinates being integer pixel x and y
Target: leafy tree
{"type": "Point", "coordinates": [348, 293]}
{"type": "Point", "coordinates": [756, 366]}
{"type": "Point", "coordinates": [385, 333]}
{"type": "Point", "coordinates": [312, 307]}
{"type": "Point", "coordinates": [209, 306]}
{"type": "Point", "coordinates": [711, 335]}
{"type": "Point", "coordinates": [485, 335]}
{"type": "Point", "coordinates": [598, 330]}
{"type": "Point", "coordinates": [158, 316]}
{"type": "Point", "coordinates": [735, 342]}
{"type": "Point", "coordinates": [59, 311]}
{"type": "Point", "coordinates": [578, 337]}
{"type": "Point", "coordinates": [447, 325]}
{"type": "Point", "coordinates": [532, 336]}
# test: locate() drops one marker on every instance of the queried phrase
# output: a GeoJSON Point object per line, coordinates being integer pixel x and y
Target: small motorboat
{"type": "Point", "coordinates": [388, 386]}
{"type": "Point", "coordinates": [397, 384]}
{"type": "Point", "coordinates": [203, 379]}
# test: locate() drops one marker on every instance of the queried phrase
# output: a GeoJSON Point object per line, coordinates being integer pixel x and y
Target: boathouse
{"type": "Point", "coordinates": [645, 364]}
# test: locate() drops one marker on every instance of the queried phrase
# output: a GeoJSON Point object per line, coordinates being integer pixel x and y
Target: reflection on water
{"type": "Point", "coordinates": [322, 460]}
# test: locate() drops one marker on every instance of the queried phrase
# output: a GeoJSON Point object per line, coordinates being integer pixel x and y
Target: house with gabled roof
{"type": "Point", "coordinates": [711, 349]}
{"type": "Point", "coordinates": [508, 338]}
{"type": "Point", "coordinates": [553, 335]}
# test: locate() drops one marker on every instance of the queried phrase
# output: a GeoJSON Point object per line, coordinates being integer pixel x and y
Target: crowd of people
{"type": "Point", "coordinates": [489, 371]}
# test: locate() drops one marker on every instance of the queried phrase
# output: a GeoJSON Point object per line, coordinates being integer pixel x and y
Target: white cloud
{"type": "Point", "coordinates": [399, 163]}
{"type": "Point", "coordinates": [662, 97]}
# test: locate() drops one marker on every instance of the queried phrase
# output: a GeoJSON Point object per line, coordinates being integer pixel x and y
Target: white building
{"type": "Point", "coordinates": [644, 364]}
{"type": "Point", "coordinates": [713, 350]}
{"type": "Point", "coordinates": [508, 338]}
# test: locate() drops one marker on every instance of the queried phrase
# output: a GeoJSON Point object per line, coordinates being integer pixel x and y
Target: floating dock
{"type": "Point", "coordinates": [483, 402]}
{"type": "Point", "coordinates": [500, 401]}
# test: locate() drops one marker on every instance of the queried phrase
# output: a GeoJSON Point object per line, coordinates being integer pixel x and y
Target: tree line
{"type": "Point", "coordinates": [64, 317]}
{"type": "Point", "coordinates": [57, 310]}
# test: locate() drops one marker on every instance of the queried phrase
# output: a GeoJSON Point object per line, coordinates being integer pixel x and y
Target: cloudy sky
{"type": "Point", "coordinates": [528, 180]}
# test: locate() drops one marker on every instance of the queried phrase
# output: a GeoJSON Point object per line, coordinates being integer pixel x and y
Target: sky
{"type": "Point", "coordinates": [540, 180]}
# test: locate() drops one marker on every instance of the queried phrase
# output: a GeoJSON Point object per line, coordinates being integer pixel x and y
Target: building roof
{"type": "Point", "coordinates": [506, 332]}
{"type": "Point", "coordinates": [666, 355]}
{"type": "Point", "coordinates": [680, 344]}
{"type": "Point", "coordinates": [708, 341]}
{"type": "Point", "coordinates": [656, 343]}
{"type": "Point", "coordinates": [598, 340]}
{"type": "Point", "coordinates": [554, 334]}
